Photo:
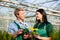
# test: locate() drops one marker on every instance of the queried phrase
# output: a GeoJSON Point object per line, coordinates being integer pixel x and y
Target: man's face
{"type": "Point", "coordinates": [21, 15]}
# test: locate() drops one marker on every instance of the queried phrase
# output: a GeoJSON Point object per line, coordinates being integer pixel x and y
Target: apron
{"type": "Point", "coordinates": [19, 37]}
{"type": "Point", "coordinates": [42, 31]}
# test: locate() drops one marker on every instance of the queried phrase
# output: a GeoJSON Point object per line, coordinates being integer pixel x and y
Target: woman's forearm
{"type": "Point", "coordinates": [44, 38]}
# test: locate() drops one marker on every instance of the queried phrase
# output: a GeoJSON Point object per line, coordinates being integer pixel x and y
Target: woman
{"type": "Point", "coordinates": [45, 28]}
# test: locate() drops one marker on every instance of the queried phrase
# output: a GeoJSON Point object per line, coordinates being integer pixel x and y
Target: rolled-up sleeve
{"type": "Point", "coordinates": [11, 29]}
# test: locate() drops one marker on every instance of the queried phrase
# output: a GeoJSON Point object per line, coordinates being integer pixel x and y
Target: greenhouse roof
{"type": "Point", "coordinates": [50, 4]}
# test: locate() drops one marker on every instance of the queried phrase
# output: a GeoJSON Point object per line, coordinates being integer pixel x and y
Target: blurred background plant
{"type": "Point", "coordinates": [5, 36]}
{"type": "Point", "coordinates": [55, 35]}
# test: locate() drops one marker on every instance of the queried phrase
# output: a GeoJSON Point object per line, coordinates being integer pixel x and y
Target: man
{"type": "Point", "coordinates": [16, 27]}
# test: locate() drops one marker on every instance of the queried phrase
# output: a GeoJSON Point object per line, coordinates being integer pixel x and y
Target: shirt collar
{"type": "Point", "coordinates": [20, 22]}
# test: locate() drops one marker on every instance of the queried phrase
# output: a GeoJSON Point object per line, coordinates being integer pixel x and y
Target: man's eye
{"type": "Point", "coordinates": [36, 14]}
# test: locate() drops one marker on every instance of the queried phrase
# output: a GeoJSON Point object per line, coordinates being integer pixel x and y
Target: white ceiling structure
{"type": "Point", "coordinates": [7, 7]}
{"type": "Point", "coordinates": [30, 5]}
{"type": "Point", "coordinates": [53, 6]}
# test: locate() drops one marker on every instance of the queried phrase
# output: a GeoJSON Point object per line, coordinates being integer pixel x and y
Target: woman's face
{"type": "Point", "coordinates": [38, 15]}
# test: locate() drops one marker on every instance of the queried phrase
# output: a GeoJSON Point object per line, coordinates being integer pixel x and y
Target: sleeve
{"type": "Point", "coordinates": [11, 29]}
{"type": "Point", "coordinates": [49, 29]}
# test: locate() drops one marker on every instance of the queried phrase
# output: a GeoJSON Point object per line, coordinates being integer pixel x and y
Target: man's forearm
{"type": "Point", "coordinates": [15, 35]}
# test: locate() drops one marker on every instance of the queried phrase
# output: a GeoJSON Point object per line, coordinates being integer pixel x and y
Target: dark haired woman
{"type": "Point", "coordinates": [45, 28]}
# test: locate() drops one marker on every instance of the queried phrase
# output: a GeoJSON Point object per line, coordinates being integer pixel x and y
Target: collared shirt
{"type": "Point", "coordinates": [12, 28]}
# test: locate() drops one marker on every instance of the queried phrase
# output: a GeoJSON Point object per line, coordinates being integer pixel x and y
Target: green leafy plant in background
{"type": "Point", "coordinates": [5, 36]}
{"type": "Point", "coordinates": [55, 35]}
{"type": "Point", "coordinates": [0, 35]}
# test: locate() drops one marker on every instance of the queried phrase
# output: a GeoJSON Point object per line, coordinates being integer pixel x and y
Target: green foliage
{"type": "Point", "coordinates": [5, 36]}
{"type": "Point", "coordinates": [25, 30]}
{"type": "Point", "coordinates": [0, 35]}
{"type": "Point", "coordinates": [34, 32]}
{"type": "Point", "coordinates": [55, 35]}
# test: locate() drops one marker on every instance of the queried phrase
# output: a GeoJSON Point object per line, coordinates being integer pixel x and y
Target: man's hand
{"type": "Point", "coordinates": [20, 31]}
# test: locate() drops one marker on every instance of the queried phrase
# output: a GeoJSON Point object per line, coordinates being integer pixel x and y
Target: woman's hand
{"type": "Point", "coordinates": [45, 38]}
{"type": "Point", "coordinates": [36, 36]}
{"type": "Point", "coordinates": [42, 38]}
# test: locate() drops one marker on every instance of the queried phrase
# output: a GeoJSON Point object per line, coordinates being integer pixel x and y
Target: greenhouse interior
{"type": "Point", "coordinates": [52, 8]}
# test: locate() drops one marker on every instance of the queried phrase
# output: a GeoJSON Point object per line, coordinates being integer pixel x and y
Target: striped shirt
{"type": "Point", "coordinates": [12, 28]}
